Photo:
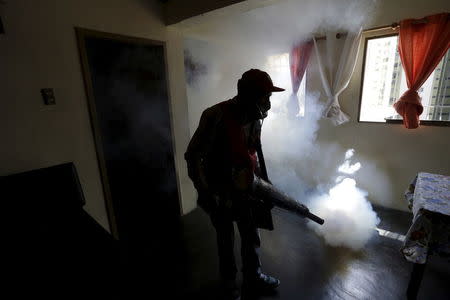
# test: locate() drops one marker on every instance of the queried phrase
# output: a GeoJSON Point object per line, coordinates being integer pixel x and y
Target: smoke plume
{"type": "Point", "coordinates": [350, 220]}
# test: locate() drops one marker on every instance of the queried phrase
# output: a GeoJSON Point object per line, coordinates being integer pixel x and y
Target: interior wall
{"type": "Point", "coordinates": [180, 117]}
{"type": "Point", "coordinates": [395, 154]}
{"type": "Point", "coordinates": [39, 50]}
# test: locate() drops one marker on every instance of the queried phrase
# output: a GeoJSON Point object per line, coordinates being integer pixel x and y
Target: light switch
{"type": "Point", "coordinates": [49, 96]}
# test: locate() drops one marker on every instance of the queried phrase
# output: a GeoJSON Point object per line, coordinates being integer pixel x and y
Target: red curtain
{"type": "Point", "coordinates": [298, 61]}
{"type": "Point", "coordinates": [422, 44]}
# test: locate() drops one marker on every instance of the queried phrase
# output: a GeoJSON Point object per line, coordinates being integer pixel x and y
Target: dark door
{"type": "Point", "coordinates": [129, 105]}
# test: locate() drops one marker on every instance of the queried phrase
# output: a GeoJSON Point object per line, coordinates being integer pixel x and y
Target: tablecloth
{"type": "Point", "coordinates": [428, 196]}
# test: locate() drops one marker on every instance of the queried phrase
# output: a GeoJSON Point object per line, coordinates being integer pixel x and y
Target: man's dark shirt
{"type": "Point", "coordinates": [209, 155]}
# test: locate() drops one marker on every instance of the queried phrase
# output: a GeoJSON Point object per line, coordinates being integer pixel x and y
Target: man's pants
{"type": "Point", "coordinates": [250, 243]}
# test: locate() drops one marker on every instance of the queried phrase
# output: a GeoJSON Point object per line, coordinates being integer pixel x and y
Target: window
{"type": "Point", "coordinates": [384, 82]}
{"type": "Point", "coordinates": [278, 68]}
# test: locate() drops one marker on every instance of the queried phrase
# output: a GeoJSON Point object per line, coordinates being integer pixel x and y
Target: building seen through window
{"type": "Point", "coordinates": [384, 82]}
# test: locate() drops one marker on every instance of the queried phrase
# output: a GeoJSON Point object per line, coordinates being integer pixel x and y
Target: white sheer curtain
{"type": "Point", "coordinates": [336, 73]}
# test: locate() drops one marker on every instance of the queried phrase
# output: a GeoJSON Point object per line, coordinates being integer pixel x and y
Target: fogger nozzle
{"type": "Point", "coordinates": [268, 193]}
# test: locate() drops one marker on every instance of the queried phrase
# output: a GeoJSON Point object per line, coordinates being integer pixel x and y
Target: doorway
{"type": "Point", "coordinates": [128, 99]}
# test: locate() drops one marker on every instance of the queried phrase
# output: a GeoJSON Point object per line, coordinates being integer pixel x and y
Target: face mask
{"type": "Point", "coordinates": [262, 110]}
{"type": "Point", "coordinates": [264, 107]}
{"type": "Point", "coordinates": [257, 110]}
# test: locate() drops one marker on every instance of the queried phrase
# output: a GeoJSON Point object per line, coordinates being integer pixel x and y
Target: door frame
{"type": "Point", "coordinates": [81, 34]}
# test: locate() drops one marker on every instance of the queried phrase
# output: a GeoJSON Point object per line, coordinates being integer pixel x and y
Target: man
{"type": "Point", "coordinates": [223, 157]}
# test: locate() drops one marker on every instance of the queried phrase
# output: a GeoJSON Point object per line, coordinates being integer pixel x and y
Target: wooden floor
{"type": "Point", "coordinates": [307, 268]}
{"type": "Point", "coordinates": [180, 262]}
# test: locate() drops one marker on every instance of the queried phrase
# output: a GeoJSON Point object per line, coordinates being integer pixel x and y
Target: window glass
{"type": "Point", "coordinates": [385, 81]}
{"type": "Point", "coordinates": [278, 68]}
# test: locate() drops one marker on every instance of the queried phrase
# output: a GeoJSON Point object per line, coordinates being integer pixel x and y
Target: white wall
{"type": "Point", "coordinates": [39, 50]}
{"type": "Point", "coordinates": [180, 117]}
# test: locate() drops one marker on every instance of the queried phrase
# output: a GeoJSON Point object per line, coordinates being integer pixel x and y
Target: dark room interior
{"type": "Point", "coordinates": [132, 137]}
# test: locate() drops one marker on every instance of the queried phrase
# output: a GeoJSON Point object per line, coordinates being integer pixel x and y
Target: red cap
{"type": "Point", "coordinates": [255, 79]}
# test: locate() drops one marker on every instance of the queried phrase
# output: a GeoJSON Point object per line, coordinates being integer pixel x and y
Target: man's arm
{"type": "Point", "coordinates": [199, 146]}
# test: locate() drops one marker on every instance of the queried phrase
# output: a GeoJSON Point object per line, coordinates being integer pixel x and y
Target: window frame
{"type": "Point", "coordinates": [382, 32]}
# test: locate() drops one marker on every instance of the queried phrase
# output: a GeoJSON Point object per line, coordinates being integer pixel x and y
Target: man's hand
{"type": "Point", "coordinates": [242, 179]}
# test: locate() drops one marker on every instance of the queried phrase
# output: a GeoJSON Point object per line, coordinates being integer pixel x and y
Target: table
{"type": "Point", "coordinates": [428, 196]}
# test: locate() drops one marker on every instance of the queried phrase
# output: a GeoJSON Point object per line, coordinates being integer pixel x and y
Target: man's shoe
{"type": "Point", "coordinates": [261, 282]}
